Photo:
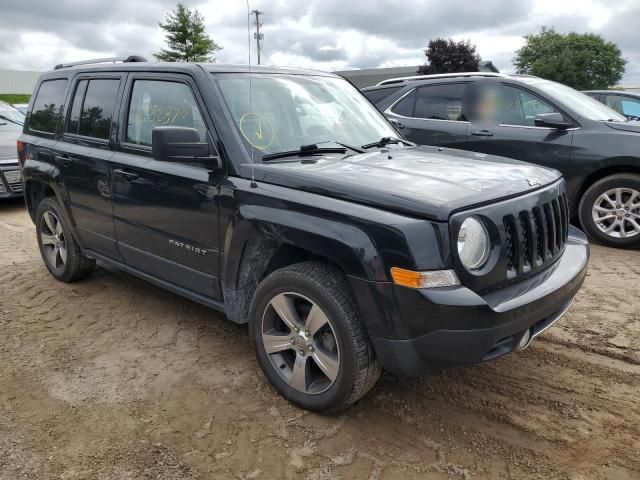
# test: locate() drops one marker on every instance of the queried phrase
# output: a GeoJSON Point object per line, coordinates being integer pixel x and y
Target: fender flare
{"type": "Point", "coordinates": [254, 233]}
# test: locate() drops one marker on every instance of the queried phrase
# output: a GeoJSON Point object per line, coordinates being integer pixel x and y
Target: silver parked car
{"type": "Point", "coordinates": [11, 121]}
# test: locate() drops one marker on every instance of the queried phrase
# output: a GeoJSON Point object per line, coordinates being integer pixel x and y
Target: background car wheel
{"type": "Point", "coordinates": [59, 250]}
{"type": "Point", "coordinates": [309, 339]}
{"type": "Point", "coordinates": [610, 211]}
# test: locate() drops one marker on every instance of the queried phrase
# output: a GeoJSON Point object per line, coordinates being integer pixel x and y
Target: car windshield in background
{"type": "Point", "coordinates": [582, 104]}
{"type": "Point", "coordinates": [284, 112]}
{"type": "Point", "coordinates": [10, 114]}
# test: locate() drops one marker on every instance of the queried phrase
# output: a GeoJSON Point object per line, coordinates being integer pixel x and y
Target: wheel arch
{"type": "Point", "coordinates": [34, 192]}
{"type": "Point", "coordinates": [611, 167]}
{"type": "Point", "coordinates": [260, 240]}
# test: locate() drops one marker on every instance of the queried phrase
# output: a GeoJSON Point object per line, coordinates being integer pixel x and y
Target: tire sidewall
{"type": "Point", "coordinates": [342, 387]}
{"type": "Point", "coordinates": [48, 204]}
{"type": "Point", "coordinates": [586, 206]}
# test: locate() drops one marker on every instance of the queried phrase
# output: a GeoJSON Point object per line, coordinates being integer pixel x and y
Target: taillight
{"type": "Point", "coordinates": [21, 153]}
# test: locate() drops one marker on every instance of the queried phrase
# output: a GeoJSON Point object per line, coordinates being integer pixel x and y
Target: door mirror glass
{"type": "Point", "coordinates": [178, 144]}
{"type": "Point", "coordinates": [552, 120]}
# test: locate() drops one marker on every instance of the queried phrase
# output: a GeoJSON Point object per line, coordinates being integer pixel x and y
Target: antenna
{"type": "Point", "coordinates": [253, 177]}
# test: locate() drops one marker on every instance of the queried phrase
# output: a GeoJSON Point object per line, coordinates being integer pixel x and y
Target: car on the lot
{"type": "Point", "coordinates": [11, 121]}
{"type": "Point", "coordinates": [534, 120]}
{"type": "Point", "coordinates": [22, 107]}
{"type": "Point", "coordinates": [626, 103]}
{"type": "Point", "coordinates": [284, 199]}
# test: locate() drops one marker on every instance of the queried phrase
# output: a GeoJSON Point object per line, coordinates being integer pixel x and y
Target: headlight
{"type": "Point", "coordinates": [473, 244]}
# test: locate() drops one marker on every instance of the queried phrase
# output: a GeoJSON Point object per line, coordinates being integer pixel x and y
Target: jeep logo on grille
{"type": "Point", "coordinates": [534, 181]}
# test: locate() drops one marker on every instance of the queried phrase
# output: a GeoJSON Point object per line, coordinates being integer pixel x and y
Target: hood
{"type": "Point", "coordinates": [9, 133]}
{"type": "Point", "coordinates": [625, 127]}
{"type": "Point", "coordinates": [429, 182]}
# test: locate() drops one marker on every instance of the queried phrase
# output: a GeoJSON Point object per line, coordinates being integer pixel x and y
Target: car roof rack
{"type": "Point", "coordinates": [414, 78]}
{"type": "Point", "coordinates": [130, 58]}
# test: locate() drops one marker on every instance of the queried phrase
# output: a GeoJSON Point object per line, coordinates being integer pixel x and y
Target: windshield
{"type": "Point", "coordinates": [8, 113]}
{"type": "Point", "coordinates": [582, 104]}
{"type": "Point", "coordinates": [288, 111]}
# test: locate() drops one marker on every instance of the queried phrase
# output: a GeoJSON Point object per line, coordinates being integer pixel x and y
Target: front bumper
{"type": "Point", "coordinates": [10, 183]}
{"type": "Point", "coordinates": [433, 328]}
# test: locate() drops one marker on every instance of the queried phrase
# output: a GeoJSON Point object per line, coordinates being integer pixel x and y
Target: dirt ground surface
{"type": "Point", "coordinates": [113, 378]}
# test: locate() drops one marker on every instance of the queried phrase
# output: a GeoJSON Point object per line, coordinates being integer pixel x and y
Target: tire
{"type": "Point", "coordinates": [60, 252]}
{"type": "Point", "coordinates": [601, 200]}
{"type": "Point", "coordinates": [334, 337]}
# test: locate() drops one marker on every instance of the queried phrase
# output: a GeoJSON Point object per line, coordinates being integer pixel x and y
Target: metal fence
{"type": "Point", "coordinates": [18, 81]}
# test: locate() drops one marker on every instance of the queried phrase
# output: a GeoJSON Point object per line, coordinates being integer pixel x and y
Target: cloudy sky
{"type": "Point", "coordinates": [322, 34]}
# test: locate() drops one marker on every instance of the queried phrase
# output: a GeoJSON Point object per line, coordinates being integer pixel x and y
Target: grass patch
{"type": "Point", "coordinates": [15, 97]}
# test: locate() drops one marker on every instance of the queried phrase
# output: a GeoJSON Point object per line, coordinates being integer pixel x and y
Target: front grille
{"type": "Point", "coordinates": [535, 237]}
{"type": "Point", "coordinates": [13, 179]}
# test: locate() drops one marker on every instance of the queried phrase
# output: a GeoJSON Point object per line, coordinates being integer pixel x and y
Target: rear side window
{"type": "Point", "coordinates": [47, 106]}
{"type": "Point", "coordinates": [76, 107]}
{"type": "Point", "coordinates": [159, 103]}
{"type": "Point", "coordinates": [97, 108]}
{"type": "Point", "coordinates": [440, 102]}
{"type": "Point", "coordinates": [380, 94]}
{"type": "Point", "coordinates": [405, 106]}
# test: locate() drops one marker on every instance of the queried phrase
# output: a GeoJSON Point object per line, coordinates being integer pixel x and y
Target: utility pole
{"type": "Point", "coordinates": [257, 35]}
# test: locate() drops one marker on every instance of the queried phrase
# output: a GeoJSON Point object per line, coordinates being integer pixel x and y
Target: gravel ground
{"type": "Point", "coordinates": [112, 378]}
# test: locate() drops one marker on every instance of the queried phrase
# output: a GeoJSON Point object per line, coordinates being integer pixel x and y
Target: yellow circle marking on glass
{"type": "Point", "coordinates": [259, 135]}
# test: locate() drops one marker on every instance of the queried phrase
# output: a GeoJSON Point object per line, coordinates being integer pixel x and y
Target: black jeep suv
{"type": "Point", "coordinates": [534, 120]}
{"type": "Point", "coordinates": [284, 199]}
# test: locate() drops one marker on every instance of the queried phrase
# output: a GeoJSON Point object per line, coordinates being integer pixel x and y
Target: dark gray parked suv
{"type": "Point", "coordinates": [535, 120]}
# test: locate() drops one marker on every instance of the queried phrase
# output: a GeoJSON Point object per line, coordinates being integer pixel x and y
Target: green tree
{"type": "Point", "coordinates": [583, 61]}
{"type": "Point", "coordinates": [449, 56]}
{"type": "Point", "coordinates": [186, 38]}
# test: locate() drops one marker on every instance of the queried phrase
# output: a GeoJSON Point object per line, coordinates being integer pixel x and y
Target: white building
{"type": "Point", "coordinates": [18, 81]}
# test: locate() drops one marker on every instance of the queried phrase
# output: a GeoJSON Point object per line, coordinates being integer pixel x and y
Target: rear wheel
{"type": "Point", "coordinates": [610, 211]}
{"type": "Point", "coordinates": [59, 250]}
{"type": "Point", "coordinates": [309, 339]}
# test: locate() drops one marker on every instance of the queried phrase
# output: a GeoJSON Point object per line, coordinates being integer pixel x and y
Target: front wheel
{"type": "Point", "coordinates": [610, 211]}
{"type": "Point", "coordinates": [309, 339]}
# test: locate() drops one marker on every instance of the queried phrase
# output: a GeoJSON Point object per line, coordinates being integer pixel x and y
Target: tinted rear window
{"type": "Point", "coordinates": [440, 102]}
{"type": "Point", "coordinates": [97, 108]}
{"type": "Point", "coordinates": [47, 106]}
{"type": "Point", "coordinates": [405, 106]}
{"type": "Point", "coordinates": [377, 95]}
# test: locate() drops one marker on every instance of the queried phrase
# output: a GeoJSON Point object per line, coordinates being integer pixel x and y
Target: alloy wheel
{"type": "Point", "coordinates": [616, 213]}
{"type": "Point", "coordinates": [53, 240]}
{"type": "Point", "coordinates": [300, 342]}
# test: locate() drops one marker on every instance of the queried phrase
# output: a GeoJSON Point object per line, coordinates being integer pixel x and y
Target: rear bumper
{"type": "Point", "coordinates": [10, 184]}
{"type": "Point", "coordinates": [454, 326]}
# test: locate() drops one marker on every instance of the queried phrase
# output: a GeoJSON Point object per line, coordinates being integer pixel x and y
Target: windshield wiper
{"type": "Point", "coordinates": [303, 150]}
{"type": "Point", "coordinates": [384, 141]}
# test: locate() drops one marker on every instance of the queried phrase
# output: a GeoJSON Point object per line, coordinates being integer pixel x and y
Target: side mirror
{"type": "Point", "coordinates": [552, 120]}
{"type": "Point", "coordinates": [178, 144]}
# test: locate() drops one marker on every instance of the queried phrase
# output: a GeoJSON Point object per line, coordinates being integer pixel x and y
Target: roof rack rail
{"type": "Point", "coordinates": [130, 58]}
{"type": "Point", "coordinates": [392, 81]}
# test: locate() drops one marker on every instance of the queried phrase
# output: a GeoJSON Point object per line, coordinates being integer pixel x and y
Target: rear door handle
{"type": "Point", "coordinates": [482, 133]}
{"type": "Point", "coordinates": [64, 160]}
{"type": "Point", "coordinates": [125, 175]}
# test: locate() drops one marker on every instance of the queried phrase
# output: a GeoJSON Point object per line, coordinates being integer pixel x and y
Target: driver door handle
{"type": "Point", "coordinates": [482, 133]}
{"type": "Point", "coordinates": [125, 175]}
{"type": "Point", "coordinates": [64, 160]}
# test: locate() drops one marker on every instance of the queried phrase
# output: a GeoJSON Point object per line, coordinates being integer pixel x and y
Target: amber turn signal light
{"type": "Point", "coordinates": [430, 279]}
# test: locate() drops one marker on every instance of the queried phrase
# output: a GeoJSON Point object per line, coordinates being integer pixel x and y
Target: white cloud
{"type": "Point", "coordinates": [321, 34]}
